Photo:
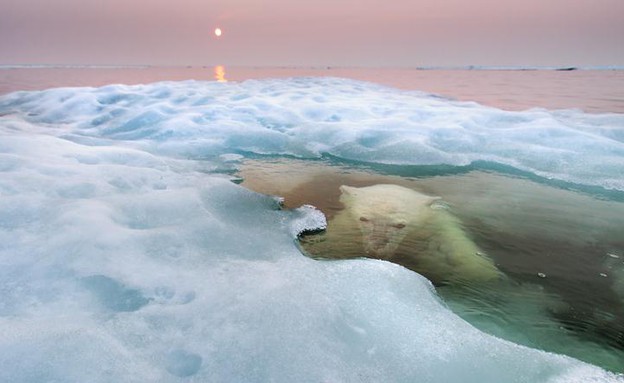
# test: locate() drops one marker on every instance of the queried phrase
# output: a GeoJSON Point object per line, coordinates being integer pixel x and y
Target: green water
{"type": "Point", "coordinates": [559, 248]}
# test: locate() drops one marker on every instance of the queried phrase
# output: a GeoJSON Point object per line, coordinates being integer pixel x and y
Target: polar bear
{"type": "Point", "coordinates": [401, 225]}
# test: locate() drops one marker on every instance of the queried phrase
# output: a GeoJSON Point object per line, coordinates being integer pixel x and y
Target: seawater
{"type": "Point", "coordinates": [560, 250]}
{"type": "Point", "coordinates": [594, 91]}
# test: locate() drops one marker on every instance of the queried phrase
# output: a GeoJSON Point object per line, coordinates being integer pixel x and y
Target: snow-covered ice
{"type": "Point", "coordinates": [307, 117]}
{"type": "Point", "coordinates": [126, 255]}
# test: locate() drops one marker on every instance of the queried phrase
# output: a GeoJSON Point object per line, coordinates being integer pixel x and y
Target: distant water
{"type": "Point", "coordinates": [595, 91]}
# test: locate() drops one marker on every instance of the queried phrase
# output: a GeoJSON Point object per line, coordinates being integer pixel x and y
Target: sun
{"type": "Point", "coordinates": [217, 32]}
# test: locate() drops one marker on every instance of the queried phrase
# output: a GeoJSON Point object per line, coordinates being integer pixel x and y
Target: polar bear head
{"type": "Point", "coordinates": [385, 215]}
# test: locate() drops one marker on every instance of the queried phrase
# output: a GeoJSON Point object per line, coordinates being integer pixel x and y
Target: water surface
{"type": "Point", "coordinates": [595, 91]}
{"type": "Point", "coordinates": [561, 252]}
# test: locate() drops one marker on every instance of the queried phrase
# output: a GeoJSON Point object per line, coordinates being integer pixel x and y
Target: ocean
{"type": "Point", "coordinates": [593, 91]}
{"type": "Point", "coordinates": [311, 224]}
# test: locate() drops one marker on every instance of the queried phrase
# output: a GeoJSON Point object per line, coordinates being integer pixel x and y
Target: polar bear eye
{"type": "Point", "coordinates": [399, 225]}
{"type": "Point", "coordinates": [364, 219]}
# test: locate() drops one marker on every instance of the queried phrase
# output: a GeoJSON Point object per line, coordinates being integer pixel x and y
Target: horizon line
{"type": "Point", "coordinates": [319, 67]}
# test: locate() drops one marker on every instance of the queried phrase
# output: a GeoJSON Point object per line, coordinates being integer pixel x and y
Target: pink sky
{"type": "Point", "coordinates": [319, 32]}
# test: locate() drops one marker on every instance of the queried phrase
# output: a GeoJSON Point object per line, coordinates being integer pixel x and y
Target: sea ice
{"type": "Point", "coordinates": [126, 255]}
{"type": "Point", "coordinates": [308, 117]}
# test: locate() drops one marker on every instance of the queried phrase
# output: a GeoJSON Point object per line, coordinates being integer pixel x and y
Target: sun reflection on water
{"type": "Point", "coordinates": [219, 73]}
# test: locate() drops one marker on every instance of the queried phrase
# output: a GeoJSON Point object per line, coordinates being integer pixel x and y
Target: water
{"type": "Point", "coordinates": [126, 248]}
{"type": "Point", "coordinates": [596, 91]}
{"type": "Point", "coordinates": [560, 288]}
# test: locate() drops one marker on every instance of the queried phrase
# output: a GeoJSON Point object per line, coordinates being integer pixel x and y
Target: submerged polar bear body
{"type": "Point", "coordinates": [414, 229]}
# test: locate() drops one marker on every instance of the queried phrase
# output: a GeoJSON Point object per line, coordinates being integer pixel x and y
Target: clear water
{"type": "Point", "coordinates": [560, 250]}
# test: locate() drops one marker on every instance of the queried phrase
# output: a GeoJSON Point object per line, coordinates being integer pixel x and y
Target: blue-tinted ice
{"type": "Point", "coordinates": [127, 256]}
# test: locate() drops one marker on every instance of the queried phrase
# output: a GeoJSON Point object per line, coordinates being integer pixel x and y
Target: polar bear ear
{"type": "Point", "coordinates": [437, 203]}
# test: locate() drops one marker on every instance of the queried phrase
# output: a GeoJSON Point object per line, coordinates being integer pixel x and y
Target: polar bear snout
{"type": "Point", "coordinates": [380, 236]}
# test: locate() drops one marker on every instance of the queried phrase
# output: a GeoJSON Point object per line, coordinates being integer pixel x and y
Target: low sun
{"type": "Point", "coordinates": [217, 32]}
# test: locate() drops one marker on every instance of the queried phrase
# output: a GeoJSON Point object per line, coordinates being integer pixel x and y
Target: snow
{"type": "Point", "coordinates": [127, 255]}
{"type": "Point", "coordinates": [308, 117]}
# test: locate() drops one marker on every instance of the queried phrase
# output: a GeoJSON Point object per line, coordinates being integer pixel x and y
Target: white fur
{"type": "Point", "coordinates": [389, 215]}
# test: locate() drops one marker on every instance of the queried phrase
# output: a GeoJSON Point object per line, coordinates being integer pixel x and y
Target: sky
{"type": "Point", "coordinates": [396, 33]}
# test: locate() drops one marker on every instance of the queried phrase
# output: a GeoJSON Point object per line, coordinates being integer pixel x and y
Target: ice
{"type": "Point", "coordinates": [183, 364]}
{"type": "Point", "coordinates": [307, 219]}
{"type": "Point", "coordinates": [128, 256]}
{"type": "Point", "coordinates": [113, 295]}
{"type": "Point", "coordinates": [307, 117]}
